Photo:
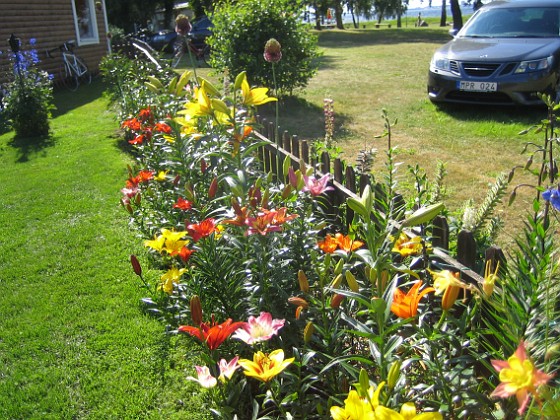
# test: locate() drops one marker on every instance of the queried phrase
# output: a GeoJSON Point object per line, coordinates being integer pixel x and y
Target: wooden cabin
{"type": "Point", "coordinates": [51, 23]}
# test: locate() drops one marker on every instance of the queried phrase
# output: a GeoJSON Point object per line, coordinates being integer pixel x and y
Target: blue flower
{"type": "Point", "coordinates": [553, 196]}
{"type": "Point", "coordinates": [32, 41]}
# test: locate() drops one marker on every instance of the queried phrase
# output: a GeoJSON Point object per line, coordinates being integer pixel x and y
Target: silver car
{"type": "Point", "coordinates": [506, 53]}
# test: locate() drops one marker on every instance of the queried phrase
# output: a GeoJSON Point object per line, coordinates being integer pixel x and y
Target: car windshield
{"type": "Point", "coordinates": [514, 22]}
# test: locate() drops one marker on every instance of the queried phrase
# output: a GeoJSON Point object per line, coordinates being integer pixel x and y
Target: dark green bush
{"type": "Point", "coordinates": [241, 31]}
{"type": "Point", "coordinates": [28, 100]}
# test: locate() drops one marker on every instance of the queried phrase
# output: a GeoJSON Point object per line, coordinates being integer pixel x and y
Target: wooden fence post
{"type": "Point", "coordinates": [466, 249]}
{"type": "Point", "coordinates": [305, 151]}
{"type": "Point", "coordinates": [325, 163]}
{"type": "Point", "coordinates": [440, 232]}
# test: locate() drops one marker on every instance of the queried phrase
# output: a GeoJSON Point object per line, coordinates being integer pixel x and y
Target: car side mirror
{"type": "Point", "coordinates": [453, 32]}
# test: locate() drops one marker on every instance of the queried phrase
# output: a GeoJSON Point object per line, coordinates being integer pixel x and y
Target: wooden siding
{"type": "Point", "coordinates": [51, 23]}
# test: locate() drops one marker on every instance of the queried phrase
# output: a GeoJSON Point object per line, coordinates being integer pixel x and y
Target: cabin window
{"type": "Point", "coordinates": [85, 21]}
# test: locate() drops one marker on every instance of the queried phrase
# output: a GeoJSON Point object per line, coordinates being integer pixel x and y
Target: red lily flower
{"type": "Point", "coordinates": [185, 253]}
{"type": "Point", "coordinates": [132, 124]}
{"type": "Point", "coordinates": [202, 229]}
{"type": "Point", "coordinates": [213, 334]}
{"type": "Point", "coordinates": [138, 139]}
{"type": "Point", "coordinates": [163, 128]}
{"type": "Point", "coordinates": [182, 204]}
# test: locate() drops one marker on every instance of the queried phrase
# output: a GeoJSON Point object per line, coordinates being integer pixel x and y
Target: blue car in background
{"type": "Point", "coordinates": [165, 40]}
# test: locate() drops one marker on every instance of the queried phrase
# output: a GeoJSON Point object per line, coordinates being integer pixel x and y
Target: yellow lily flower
{"type": "Point", "coordinates": [489, 278]}
{"type": "Point", "coordinates": [448, 283]}
{"type": "Point", "coordinates": [157, 243]}
{"type": "Point", "coordinates": [264, 367]}
{"type": "Point", "coordinates": [201, 106]}
{"type": "Point", "coordinates": [169, 241]}
{"type": "Point", "coordinates": [256, 96]}
{"type": "Point", "coordinates": [173, 241]}
{"type": "Point", "coordinates": [173, 275]}
{"type": "Point", "coordinates": [161, 176]}
{"type": "Point", "coordinates": [408, 412]}
{"type": "Point", "coordinates": [355, 408]}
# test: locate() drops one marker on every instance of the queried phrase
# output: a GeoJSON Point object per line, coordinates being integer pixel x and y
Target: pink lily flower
{"type": "Point", "coordinates": [227, 369]}
{"type": "Point", "coordinates": [205, 378]}
{"type": "Point", "coordinates": [316, 186]}
{"type": "Point", "coordinates": [259, 329]}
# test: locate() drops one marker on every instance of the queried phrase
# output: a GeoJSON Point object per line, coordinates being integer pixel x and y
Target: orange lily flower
{"type": "Point", "coordinates": [328, 245]}
{"type": "Point", "coordinates": [347, 244]}
{"type": "Point", "coordinates": [212, 334]}
{"type": "Point", "coordinates": [406, 305]}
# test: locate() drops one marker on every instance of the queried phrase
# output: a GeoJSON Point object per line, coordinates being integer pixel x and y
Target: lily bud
{"type": "Point", "coordinates": [308, 332]}
{"type": "Point", "coordinates": [449, 297]}
{"type": "Point", "coordinates": [138, 199]}
{"type": "Point", "coordinates": [136, 265]}
{"type": "Point", "coordinates": [303, 282]}
{"type": "Point", "coordinates": [336, 300]}
{"type": "Point", "coordinates": [335, 284]}
{"type": "Point", "coordinates": [189, 193]}
{"type": "Point", "coordinates": [423, 215]}
{"type": "Point", "coordinates": [338, 267]}
{"type": "Point", "coordinates": [297, 301]}
{"type": "Point", "coordinates": [394, 373]}
{"type": "Point", "coordinates": [352, 283]}
{"type": "Point", "coordinates": [213, 188]}
{"type": "Point", "coordinates": [128, 208]}
{"type": "Point", "coordinates": [196, 310]}
{"type": "Point", "coordinates": [286, 191]}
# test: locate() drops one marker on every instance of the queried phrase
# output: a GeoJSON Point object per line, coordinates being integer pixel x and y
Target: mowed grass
{"type": "Point", "coordinates": [367, 70]}
{"type": "Point", "coordinates": [74, 342]}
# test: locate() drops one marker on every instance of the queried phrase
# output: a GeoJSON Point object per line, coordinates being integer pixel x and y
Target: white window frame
{"type": "Point", "coordinates": [93, 39]}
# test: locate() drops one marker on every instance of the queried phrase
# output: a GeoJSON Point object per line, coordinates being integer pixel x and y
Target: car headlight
{"type": "Point", "coordinates": [440, 63]}
{"type": "Point", "coordinates": [534, 65]}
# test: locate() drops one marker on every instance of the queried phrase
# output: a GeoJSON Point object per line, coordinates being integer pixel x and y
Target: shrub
{"type": "Point", "coordinates": [241, 31]}
{"type": "Point", "coordinates": [127, 78]}
{"type": "Point", "coordinates": [28, 101]}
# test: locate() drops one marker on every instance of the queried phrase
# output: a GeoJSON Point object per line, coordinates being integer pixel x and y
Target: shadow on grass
{"type": "Point", "coordinates": [528, 115]}
{"type": "Point", "coordinates": [65, 100]}
{"type": "Point", "coordinates": [302, 118]}
{"type": "Point", "coordinates": [30, 145]}
{"type": "Point", "coordinates": [351, 38]}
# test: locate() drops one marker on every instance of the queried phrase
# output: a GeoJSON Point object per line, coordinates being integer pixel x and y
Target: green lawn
{"type": "Point", "coordinates": [74, 342]}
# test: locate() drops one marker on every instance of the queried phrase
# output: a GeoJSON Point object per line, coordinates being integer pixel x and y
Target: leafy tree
{"type": "Point", "coordinates": [130, 14]}
{"type": "Point", "coordinates": [389, 9]}
{"type": "Point", "coordinates": [241, 31]}
{"type": "Point", "coordinates": [359, 8]}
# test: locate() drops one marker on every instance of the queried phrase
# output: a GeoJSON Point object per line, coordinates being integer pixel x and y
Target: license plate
{"type": "Point", "coordinates": [478, 86]}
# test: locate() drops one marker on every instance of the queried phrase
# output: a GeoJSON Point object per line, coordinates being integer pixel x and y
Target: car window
{"type": "Point", "coordinates": [514, 22]}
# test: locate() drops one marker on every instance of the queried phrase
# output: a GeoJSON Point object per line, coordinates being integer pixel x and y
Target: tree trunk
{"type": "Point", "coordinates": [399, 21]}
{"type": "Point", "coordinates": [317, 17]}
{"type": "Point", "coordinates": [443, 20]}
{"type": "Point", "coordinates": [457, 16]}
{"type": "Point", "coordinates": [168, 14]}
{"type": "Point", "coordinates": [338, 16]}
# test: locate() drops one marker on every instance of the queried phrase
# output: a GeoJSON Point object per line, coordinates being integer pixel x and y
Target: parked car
{"type": "Point", "coordinates": [201, 29]}
{"type": "Point", "coordinates": [164, 41]}
{"type": "Point", "coordinates": [506, 53]}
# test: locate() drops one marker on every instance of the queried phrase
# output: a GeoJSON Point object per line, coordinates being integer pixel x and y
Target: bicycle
{"type": "Point", "coordinates": [73, 70]}
{"type": "Point", "coordinates": [185, 45]}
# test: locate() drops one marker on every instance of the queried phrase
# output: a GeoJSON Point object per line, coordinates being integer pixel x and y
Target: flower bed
{"type": "Point", "coordinates": [298, 317]}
